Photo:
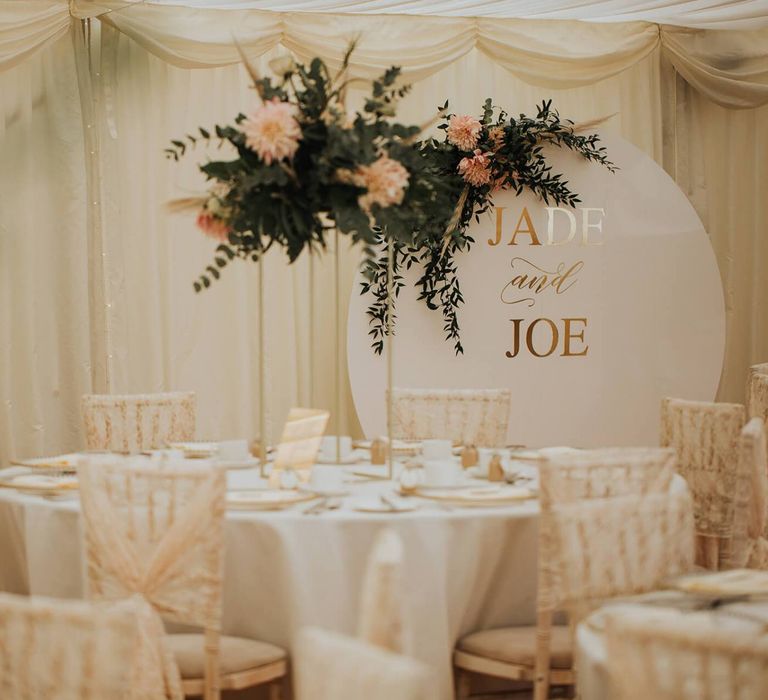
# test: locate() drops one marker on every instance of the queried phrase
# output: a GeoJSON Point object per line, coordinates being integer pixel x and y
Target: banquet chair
{"type": "Point", "coordinates": [72, 650]}
{"type": "Point", "coordinates": [476, 417]}
{"type": "Point", "coordinates": [753, 461]}
{"type": "Point", "coordinates": [669, 655]}
{"type": "Point", "coordinates": [381, 605]}
{"type": "Point", "coordinates": [607, 473]}
{"type": "Point", "coordinates": [132, 423]}
{"type": "Point", "coordinates": [589, 551]}
{"type": "Point", "coordinates": [757, 392]}
{"type": "Point", "coordinates": [706, 437]}
{"type": "Point", "coordinates": [157, 535]}
{"type": "Point", "coordinates": [330, 666]}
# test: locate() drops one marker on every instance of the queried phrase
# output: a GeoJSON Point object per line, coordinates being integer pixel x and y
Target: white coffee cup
{"type": "Point", "coordinates": [326, 478]}
{"type": "Point", "coordinates": [436, 449]}
{"type": "Point", "coordinates": [233, 450]}
{"type": "Point", "coordinates": [484, 456]}
{"type": "Point", "coordinates": [441, 472]}
{"type": "Point", "coordinates": [328, 448]}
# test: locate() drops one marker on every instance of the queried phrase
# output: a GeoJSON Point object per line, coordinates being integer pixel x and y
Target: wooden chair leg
{"type": "Point", "coordinates": [541, 666]}
{"type": "Point", "coordinates": [276, 690]}
{"type": "Point", "coordinates": [462, 684]}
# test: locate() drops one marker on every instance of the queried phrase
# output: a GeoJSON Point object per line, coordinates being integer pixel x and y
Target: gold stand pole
{"type": "Point", "coordinates": [390, 359]}
{"type": "Point", "coordinates": [337, 295]}
{"type": "Point", "coordinates": [311, 307]}
{"type": "Point", "coordinates": [262, 362]}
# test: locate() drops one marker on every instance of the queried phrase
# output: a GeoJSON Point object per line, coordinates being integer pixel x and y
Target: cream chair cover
{"type": "Point", "coordinates": [706, 437]}
{"type": "Point", "coordinates": [669, 655]}
{"type": "Point", "coordinates": [471, 416]}
{"type": "Point", "coordinates": [330, 666]}
{"type": "Point", "coordinates": [157, 535]}
{"type": "Point", "coordinates": [753, 460]}
{"type": "Point", "coordinates": [602, 548]}
{"type": "Point", "coordinates": [64, 650]}
{"type": "Point", "coordinates": [757, 392]}
{"type": "Point", "coordinates": [137, 422]}
{"type": "Point", "coordinates": [607, 473]}
{"type": "Point", "coordinates": [381, 607]}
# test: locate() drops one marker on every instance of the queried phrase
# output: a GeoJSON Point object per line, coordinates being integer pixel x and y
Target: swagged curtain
{"type": "Point", "coordinates": [96, 276]}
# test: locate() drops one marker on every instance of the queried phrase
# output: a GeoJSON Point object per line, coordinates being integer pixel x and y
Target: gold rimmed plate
{"type": "Point", "coordinates": [736, 582]}
{"type": "Point", "coordinates": [266, 499]}
{"type": "Point", "coordinates": [38, 484]}
{"type": "Point", "coordinates": [478, 496]}
{"type": "Point", "coordinates": [59, 463]}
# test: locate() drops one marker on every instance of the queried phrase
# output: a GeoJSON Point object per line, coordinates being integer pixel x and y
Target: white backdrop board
{"type": "Point", "coordinates": [590, 317]}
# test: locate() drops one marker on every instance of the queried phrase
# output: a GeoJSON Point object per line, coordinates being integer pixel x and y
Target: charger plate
{"type": "Point", "coordinates": [738, 582]}
{"type": "Point", "coordinates": [39, 484]}
{"type": "Point", "coordinates": [266, 499]}
{"type": "Point", "coordinates": [478, 496]}
{"type": "Point", "coordinates": [59, 463]}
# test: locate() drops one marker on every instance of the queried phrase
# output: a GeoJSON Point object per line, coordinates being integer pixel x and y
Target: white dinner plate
{"type": "Point", "coordinates": [479, 496]}
{"type": "Point", "coordinates": [60, 463]}
{"type": "Point", "coordinates": [373, 505]}
{"type": "Point", "coordinates": [266, 499]}
{"type": "Point", "coordinates": [38, 484]}
{"type": "Point", "coordinates": [322, 492]}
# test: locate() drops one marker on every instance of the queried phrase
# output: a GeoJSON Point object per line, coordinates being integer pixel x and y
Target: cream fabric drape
{"type": "Point", "coordinates": [45, 329]}
{"type": "Point", "coordinates": [126, 284]}
{"type": "Point", "coordinates": [26, 27]}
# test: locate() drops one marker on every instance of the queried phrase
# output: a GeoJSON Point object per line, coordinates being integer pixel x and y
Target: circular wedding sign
{"type": "Point", "coordinates": [589, 315]}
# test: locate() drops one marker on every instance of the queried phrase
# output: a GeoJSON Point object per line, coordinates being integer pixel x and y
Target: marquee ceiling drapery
{"type": "Point", "coordinates": [728, 67]}
{"type": "Point", "coordinates": [712, 14]}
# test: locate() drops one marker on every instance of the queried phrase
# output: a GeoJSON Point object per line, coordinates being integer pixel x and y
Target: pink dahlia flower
{"type": "Point", "coordinates": [272, 131]}
{"type": "Point", "coordinates": [213, 226]}
{"type": "Point", "coordinates": [477, 169]}
{"type": "Point", "coordinates": [386, 180]}
{"type": "Point", "coordinates": [464, 131]}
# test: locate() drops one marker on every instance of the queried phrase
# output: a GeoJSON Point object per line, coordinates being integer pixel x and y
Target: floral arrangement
{"type": "Point", "coordinates": [304, 166]}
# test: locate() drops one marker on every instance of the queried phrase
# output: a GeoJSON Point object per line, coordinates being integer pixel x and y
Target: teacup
{"type": "Point", "coordinates": [328, 448]}
{"type": "Point", "coordinates": [441, 472]}
{"type": "Point", "coordinates": [326, 478]}
{"type": "Point", "coordinates": [484, 456]}
{"type": "Point", "coordinates": [436, 449]}
{"type": "Point", "coordinates": [233, 450]}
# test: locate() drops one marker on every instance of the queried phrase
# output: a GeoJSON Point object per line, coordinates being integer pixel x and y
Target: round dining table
{"type": "Point", "coordinates": [465, 569]}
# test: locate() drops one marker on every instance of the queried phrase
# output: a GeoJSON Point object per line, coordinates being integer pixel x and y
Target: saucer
{"type": "Point", "coordinates": [325, 493]}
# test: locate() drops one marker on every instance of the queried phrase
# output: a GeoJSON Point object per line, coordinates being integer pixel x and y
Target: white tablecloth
{"type": "Point", "coordinates": [465, 569]}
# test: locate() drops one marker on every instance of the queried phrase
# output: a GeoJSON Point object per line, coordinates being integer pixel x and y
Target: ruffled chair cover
{"type": "Point", "coordinates": [753, 460]}
{"type": "Point", "coordinates": [757, 392]}
{"type": "Point", "coordinates": [669, 655]}
{"type": "Point", "coordinates": [381, 607]}
{"type": "Point", "coordinates": [602, 548]}
{"type": "Point", "coordinates": [157, 536]}
{"type": "Point", "coordinates": [330, 666]}
{"type": "Point", "coordinates": [64, 650]}
{"type": "Point", "coordinates": [706, 437]}
{"type": "Point", "coordinates": [471, 416]}
{"type": "Point", "coordinates": [607, 473]}
{"type": "Point", "coordinates": [137, 422]}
